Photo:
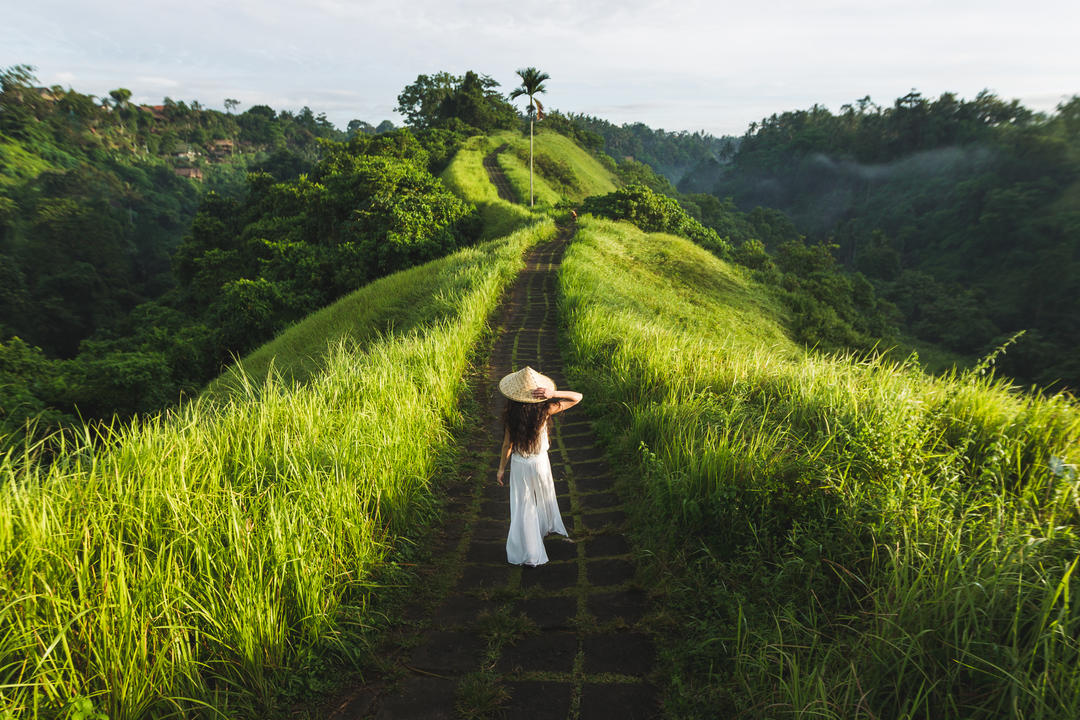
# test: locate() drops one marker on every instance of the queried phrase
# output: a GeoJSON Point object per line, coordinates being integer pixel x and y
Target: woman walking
{"type": "Point", "coordinates": [531, 400]}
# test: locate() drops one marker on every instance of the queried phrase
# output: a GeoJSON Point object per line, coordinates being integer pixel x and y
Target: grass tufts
{"type": "Point", "coordinates": [481, 696]}
{"type": "Point", "coordinates": [466, 177]}
{"type": "Point", "coordinates": [840, 536]}
{"type": "Point", "coordinates": [562, 169]}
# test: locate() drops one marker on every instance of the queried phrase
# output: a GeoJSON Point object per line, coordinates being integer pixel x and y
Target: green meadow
{"type": "Point", "coordinates": [835, 536]}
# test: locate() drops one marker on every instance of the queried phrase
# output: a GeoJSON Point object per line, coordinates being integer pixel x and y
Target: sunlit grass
{"type": "Point", "coordinates": [841, 536]}
{"type": "Point", "coordinates": [466, 177]}
{"type": "Point", "coordinates": [397, 303]}
{"type": "Point", "coordinates": [589, 176]}
{"type": "Point", "coordinates": [192, 562]}
{"type": "Point", "coordinates": [17, 164]}
{"type": "Point", "coordinates": [517, 174]}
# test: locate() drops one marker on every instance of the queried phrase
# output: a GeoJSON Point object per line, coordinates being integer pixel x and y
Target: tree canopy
{"type": "Point", "coordinates": [962, 212]}
{"type": "Point", "coordinates": [443, 100]}
{"type": "Point", "coordinates": [142, 247]}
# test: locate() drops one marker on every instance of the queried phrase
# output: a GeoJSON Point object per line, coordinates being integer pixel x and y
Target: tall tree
{"type": "Point", "coordinates": [420, 102]}
{"type": "Point", "coordinates": [532, 84]}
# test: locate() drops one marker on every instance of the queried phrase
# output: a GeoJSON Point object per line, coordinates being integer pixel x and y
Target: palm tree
{"type": "Point", "coordinates": [532, 84]}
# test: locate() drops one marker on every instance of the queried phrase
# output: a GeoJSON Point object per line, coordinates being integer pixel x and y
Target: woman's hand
{"type": "Point", "coordinates": [499, 477]}
{"type": "Point", "coordinates": [542, 393]}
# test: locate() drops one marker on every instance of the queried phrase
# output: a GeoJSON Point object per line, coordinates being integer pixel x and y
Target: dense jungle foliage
{"type": "Point", "coordinates": [675, 155]}
{"type": "Point", "coordinates": [965, 214]}
{"type": "Point", "coordinates": [126, 283]}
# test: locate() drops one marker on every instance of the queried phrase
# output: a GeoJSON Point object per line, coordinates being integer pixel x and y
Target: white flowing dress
{"type": "Point", "coordinates": [534, 510]}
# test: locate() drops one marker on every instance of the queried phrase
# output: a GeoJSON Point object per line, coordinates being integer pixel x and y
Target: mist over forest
{"type": "Point", "coordinates": [962, 213]}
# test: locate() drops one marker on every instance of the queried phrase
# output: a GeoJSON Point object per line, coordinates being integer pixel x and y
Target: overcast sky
{"type": "Point", "coordinates": [687, 65]}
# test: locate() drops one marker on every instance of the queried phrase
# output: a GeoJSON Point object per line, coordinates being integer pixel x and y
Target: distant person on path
{"type": "Point", "coordinates": [531, 400]}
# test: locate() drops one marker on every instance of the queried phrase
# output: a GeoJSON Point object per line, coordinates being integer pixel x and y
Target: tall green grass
{"type": "Point", "coordinates": [842, 536]}
{"type": "Point", "coordinates": [192, 563]}
{"type": "Point", "coordinates": [581, 176]}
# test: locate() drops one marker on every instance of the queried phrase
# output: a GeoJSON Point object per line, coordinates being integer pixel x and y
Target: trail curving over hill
{"type": "Point", "coordinates": [497, 176]}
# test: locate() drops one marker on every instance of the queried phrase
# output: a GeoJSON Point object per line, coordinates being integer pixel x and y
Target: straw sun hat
{"type": "Point", "coordinates": [520, 385]}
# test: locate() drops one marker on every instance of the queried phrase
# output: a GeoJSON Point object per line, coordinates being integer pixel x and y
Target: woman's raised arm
{"type": "Point", "coordinates": [567, 398]}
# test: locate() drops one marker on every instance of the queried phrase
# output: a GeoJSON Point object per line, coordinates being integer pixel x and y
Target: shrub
{"type": "Point", "coordinates": [655, 213]}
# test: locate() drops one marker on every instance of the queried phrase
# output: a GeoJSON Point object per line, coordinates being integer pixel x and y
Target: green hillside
{"type": "Point", "coordinates": [123, 287]}
{"type": "Point", "coordinates": [562, 168]}
{"type": "Point", "coordinates": [830, 535]}
{"type": "Point", "coordinates": [126, 180]}
{"type": "Point", "coordinates": [834, 535]}
{"type": "Point", "coordinates": [465, 175]}
{"type": "Point", "coordinates": [412, 298]}
{"type": "Point", "coordinates": [233, 543]}
{"type": "Point", "coordinates": [963, 213]}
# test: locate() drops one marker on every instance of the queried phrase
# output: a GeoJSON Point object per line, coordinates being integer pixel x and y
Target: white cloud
{"type": "Point", "coordinates": [157, 82]}
{"type": "Point", "coordinates": [695, 64]}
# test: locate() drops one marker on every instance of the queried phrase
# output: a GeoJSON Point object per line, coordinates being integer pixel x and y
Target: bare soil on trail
{"type": "Point", "coordinates": [562, 640]}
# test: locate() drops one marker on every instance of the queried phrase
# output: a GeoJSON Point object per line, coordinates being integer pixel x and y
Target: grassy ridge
{"type": "Point", "coordinates": [204, 557]}
{"type": "Point", "coordinates": [840, 537]}
{"type": "Point", "coordinates": [466, 177]}
{"type": "Point", "coordinates": [562, 169]}
{"type": "Point", "coordinates": [517, 174]}
{"type": "Point", "coordinates": [414, 298]}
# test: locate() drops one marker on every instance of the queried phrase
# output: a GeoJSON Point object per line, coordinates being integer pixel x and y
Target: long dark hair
{"type": "Point", "coordinates": [524, 421]}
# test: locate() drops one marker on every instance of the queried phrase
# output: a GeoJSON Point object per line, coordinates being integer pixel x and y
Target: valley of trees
{"type": "Point", "coordinates": [818, 531]}
{"type": "Point", "coordinates": [678, 156]}
{"type": "Point", "coordinates": [831, 309]}
{"type": "Point", "coordinates": [142, 247]}
{"type": "Point", "coordinates": [963, 214]}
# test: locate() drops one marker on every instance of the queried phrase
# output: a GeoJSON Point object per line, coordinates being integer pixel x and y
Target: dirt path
{"type": "Point", "coordinates": [557, 641]}
{"type": "Point", "coordinates": [498, 178]}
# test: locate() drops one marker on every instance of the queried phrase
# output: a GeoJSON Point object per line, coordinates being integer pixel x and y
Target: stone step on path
{"type": "Point", "coordinates": [562, 640]}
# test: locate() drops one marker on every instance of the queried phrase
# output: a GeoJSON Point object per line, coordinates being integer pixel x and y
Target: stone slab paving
{"type": "Point", "coordinates": [562, 640]}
